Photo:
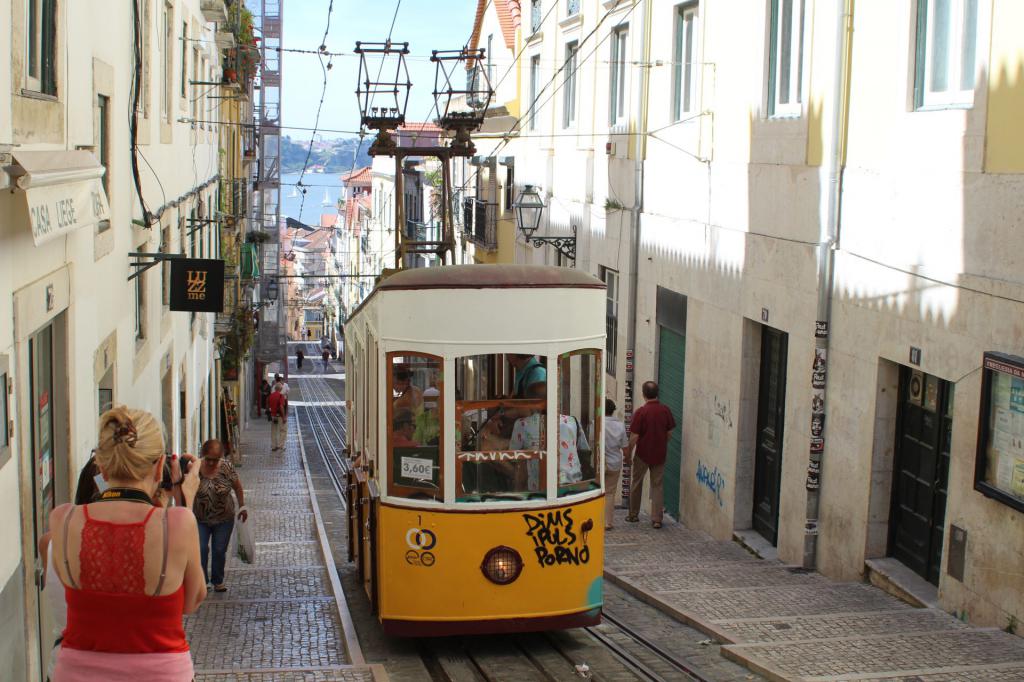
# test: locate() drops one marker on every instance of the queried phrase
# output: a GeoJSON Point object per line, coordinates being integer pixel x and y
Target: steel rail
{"type": "Point", "coordinates": [635, 663]}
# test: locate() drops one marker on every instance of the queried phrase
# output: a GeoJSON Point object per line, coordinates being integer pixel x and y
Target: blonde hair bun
{"type": "Point", "coordinates": [131, 442]}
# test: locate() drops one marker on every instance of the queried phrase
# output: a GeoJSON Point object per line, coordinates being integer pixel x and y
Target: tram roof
{"type": "Point", "coordinates": [487, 276]}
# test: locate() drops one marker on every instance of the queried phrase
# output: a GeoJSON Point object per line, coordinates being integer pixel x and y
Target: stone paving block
{"type": "Point", "coordinates": [290, 527]}
{"type": "Point", "coordinates": [282, 555]}
{"type": "Point", "coordinates": [740, 574]}
{"type": "Point", "coordinates": [353, 674]}
{"type": "Point", "coordinates": [271, 634]}
{"type": "Point", "coordinates": [716, 605]}
{"type": "Point", "coordinates": [882, 655]}
{"type": "Point", "coordinates": [274, 583]}
{"type": "Point", "coordinates": [901, 621]}
{"type": "Point", "coordinates": [1012, 673]}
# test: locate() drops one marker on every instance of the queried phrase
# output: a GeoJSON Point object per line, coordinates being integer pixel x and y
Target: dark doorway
{"type": "Point", "coordinates": [771, 415]}
{"type": "Point", "coordinates": [924, 431]}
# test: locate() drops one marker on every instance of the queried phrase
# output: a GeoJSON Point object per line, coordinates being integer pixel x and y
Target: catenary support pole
{"type": "Point", "coordinates": [827, 245]}
{"type": "Point", "coordinates": [639, 150]}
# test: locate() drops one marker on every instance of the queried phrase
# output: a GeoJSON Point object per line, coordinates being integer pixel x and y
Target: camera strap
{"type": "Point", "coordinates": [125, 495]}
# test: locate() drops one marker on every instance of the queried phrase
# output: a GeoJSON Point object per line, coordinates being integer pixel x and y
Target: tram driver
{"type": "Point", "coordinates": [405, 394]}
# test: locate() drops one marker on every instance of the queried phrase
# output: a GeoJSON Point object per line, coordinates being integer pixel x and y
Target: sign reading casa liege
{"type": "Point", "coordinates": [197, 285]}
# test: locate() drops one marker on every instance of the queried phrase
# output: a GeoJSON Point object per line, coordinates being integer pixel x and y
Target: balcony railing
{"type": "Point", "coordinates": [480, 223]}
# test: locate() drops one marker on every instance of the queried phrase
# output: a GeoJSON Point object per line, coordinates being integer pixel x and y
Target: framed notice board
{"type": "Point", "coordinates": [999, 466]}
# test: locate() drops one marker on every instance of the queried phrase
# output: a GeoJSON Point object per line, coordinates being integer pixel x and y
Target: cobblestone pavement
{"type": "Point", "coordinates": [279, 620]}
{"type": "Point", "coordinates": [789, 624]}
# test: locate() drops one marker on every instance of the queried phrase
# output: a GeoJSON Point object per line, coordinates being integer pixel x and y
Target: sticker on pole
{"type": "Point", "coordinates": [417, 468]}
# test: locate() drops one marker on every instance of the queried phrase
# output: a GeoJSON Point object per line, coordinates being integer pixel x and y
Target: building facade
{"type": "Point", "coordinates": [88, 126]}
{"type": "Point", "coordinates": [807, 215]}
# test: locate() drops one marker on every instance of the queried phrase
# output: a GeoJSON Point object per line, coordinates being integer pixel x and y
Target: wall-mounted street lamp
{"type": "Point", "coordinates": [529, 208]}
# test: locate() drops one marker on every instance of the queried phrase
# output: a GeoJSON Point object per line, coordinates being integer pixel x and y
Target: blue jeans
{"type": "Point", "coordinates": [220, 534]}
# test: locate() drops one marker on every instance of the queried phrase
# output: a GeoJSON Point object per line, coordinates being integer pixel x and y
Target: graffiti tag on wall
{"type": "Point", "coordinates": [556, 538]}
{"type": "Point", "coordinates": [711, 479]}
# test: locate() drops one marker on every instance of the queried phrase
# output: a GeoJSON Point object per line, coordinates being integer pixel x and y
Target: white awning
{"type": "Point", "coordinates": [63, 191]}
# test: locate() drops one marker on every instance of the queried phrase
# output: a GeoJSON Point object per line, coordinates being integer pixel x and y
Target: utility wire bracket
{"type": "Point", "coordinates": [145, 260]}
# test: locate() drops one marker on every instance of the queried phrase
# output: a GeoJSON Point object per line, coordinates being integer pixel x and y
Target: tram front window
{"type": "Point", "coordinates": [500, 413]}
{"type": "Point", "coordinates": [579, 421]}
{"type": "Point", "coordinates": [416, 390]}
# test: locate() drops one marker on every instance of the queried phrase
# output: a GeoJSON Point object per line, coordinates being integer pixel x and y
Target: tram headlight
{"type": "Point", "coordinates": [502, 565]}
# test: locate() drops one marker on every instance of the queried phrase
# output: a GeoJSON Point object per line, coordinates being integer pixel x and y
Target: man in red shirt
{"type": "Point", "coordinates": [276, 407]}
{"type": "Point", "coordinates": [648, 439]}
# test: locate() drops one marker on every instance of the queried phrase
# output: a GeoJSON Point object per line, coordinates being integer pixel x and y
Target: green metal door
{"type": "Point", "coordinates": [671, 363]}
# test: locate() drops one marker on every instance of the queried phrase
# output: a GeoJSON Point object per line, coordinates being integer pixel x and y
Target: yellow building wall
{"type": "Point", "coordinates": [1004, 139]}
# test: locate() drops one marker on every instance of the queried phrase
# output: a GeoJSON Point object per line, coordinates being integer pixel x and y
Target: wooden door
{"type": "Point", "coordinates": [921, 478]}
{"type": "Point", "coordinates": [771, 415]}
{"type": "Point", "coordinates": [671, 363]}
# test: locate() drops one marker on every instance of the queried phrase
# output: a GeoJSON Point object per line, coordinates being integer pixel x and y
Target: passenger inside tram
{"type": "Point", "coordinates": [403, 429]}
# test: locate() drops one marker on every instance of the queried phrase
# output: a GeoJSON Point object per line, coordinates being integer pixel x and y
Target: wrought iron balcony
{"type": "Point", "coordinates": [480, 223]}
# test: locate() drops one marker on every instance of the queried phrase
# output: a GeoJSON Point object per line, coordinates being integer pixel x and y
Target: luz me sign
{"type": "Point", "coordinates": [197, 285]}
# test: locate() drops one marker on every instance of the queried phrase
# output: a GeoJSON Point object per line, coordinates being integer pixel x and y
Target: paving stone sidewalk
{"type": "Point", "coordinates": [279, 620]}
{"type": "Point", "coordinates": [789, 624]}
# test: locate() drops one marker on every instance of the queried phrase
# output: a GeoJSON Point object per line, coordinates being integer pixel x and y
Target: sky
{"type": "Point", "coordinates": [425, 24]}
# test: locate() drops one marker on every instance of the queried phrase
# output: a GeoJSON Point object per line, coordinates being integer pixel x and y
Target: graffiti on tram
{"type": "Point", "coordinates": [557, 540]}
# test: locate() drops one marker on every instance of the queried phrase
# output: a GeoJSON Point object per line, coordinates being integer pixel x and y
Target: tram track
{"type": "Point", "coordinates": [559, 656]}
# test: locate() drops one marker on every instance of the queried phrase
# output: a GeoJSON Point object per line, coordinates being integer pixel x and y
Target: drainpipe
{"type": "Point", "coordinates": [827, 245]}
{"type": "Point", "coordinates": [639, 152]}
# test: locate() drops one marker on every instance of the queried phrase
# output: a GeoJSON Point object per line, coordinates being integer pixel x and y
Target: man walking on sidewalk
{"type": "Point", "coordinates": [278, 426]}
{"type": "Point", "coordinates": [615, 441]}
{"type": "Point", "coordinates": [648, 440]}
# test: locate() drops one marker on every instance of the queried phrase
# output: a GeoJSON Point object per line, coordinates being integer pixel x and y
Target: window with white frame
{"type": "Point", "coordinates": [535, 16]}
{"type": "Point", "coordinates": [184, 59]}
{"type": "Point", "coordinates": [534, 85]}
{"type": "Point", "coordinates": [41, 46]}
{"type": "Point", "coordinates": [617, 68]}
{"type": "Point", "coordinates": [102, 137]}
{"type": "Point", "coordinates": [786, 58]}
{"type": "Point", "coordinates": [684, 68]}
{"type": "Point", "coordinates": [572, 7]}
{"type": "Point", "coordinates": [140, 303]}
{"type": "Point", "coordinates": [144, 33]}
{"type": "Point", "coordinates": [167, 60]}
{"type": "Point", "coordinates": [611, 316]}
{"type": "Point", "coordinates": [947, 52]}
{"type": "Point", "coordinates": [569, 84]}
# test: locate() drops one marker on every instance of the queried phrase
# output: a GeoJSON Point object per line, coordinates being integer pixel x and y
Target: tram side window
{"type": "Point", "coordinates": [416, 391]}
{"type": "Point", "coordinates": [500, 426]}
{"type": "Point", "coordinates": [579, 421]}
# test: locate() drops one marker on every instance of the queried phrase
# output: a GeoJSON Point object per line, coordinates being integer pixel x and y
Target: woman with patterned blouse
{"type": "Point", "coordinates": [215, 510]}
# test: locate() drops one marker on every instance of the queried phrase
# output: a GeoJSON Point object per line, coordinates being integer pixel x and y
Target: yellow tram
{"type": "Point", "coordinates": [475, 403]}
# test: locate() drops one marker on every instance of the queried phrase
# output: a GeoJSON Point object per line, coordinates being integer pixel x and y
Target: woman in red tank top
{"type": "Point", "coordinates": [130, 569]}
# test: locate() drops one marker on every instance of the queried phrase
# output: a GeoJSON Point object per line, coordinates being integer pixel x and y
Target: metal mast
{"type": "Point", "coordinates": [270, 343]}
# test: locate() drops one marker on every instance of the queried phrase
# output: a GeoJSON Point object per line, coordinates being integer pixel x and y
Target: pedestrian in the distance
{"type": "Point", "coordinates": [325, 354]}
{"type": "Point", "coordinates": [615, 439]}
{"type": "Point", "coordinates": [648, 440]}
{"type": "Point", "coordinates": [265, 390]}
{"type": "Point", "coordinates": [299, 357]}
{"type": "Point", "coordinates": [215, 510]}
{"type": "Point", "coordinates": [131, 569]}
{"type": "Point", "coordinates": [278, 428]}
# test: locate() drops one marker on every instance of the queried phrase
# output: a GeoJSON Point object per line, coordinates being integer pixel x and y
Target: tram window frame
{"type": "Point", "coordinates": [573, 389]}
{"type": "Point", "coordinates": [492, 393]}
{"type": "Point", "coordinates": [433, 492]}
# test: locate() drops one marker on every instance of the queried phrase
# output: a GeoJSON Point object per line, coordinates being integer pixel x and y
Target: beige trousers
{"type": "Point", "coordinates": [278, 433]}
{"type": "Point", "coordinates": [611, 495]}
{"type": "Point", "coordinates": [636, 488]}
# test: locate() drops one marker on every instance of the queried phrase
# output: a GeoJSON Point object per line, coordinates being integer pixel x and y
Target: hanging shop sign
{"type": "Point", "coordinates": [197, 285]}
{"type": "Point", "coordinates": [999, 465]}
{"type": "Point", "coordinates": [63, 191]}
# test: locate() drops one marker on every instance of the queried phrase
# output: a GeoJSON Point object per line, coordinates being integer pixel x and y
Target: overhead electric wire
{"type": "Point", "coordinates": [323, 94]}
